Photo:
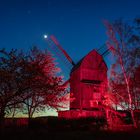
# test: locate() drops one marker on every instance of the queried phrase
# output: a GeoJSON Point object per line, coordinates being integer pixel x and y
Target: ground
{"type": "Point", "coordinates": [51, 128]}
{"type": "Point", "coordinates": [44, 134]}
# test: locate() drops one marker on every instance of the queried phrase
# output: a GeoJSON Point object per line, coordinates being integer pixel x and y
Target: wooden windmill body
{"type": "Point", "coordinates": [87, 80]}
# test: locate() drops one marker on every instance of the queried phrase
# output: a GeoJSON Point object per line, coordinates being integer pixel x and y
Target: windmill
{"type": "Point", "coordinates": [88, 80]}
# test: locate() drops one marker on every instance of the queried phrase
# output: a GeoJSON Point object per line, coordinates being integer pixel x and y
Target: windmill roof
{"type": "Point", "coordinates": [81, 60]}
{"type": "Point", "coordinates": [77, 65]}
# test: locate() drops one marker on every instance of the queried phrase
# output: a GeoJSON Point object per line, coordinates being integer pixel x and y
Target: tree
{"type": "Point", "coordinates": [123, 41]}
{"type": "Point", "coordinates": [11, 80]}
{"type": "Point", "coordinates": [135, 87]}
{"type": "Point", "coordinates": [30, 81]}
{"type": "Point", "coordinates": [47, 90]}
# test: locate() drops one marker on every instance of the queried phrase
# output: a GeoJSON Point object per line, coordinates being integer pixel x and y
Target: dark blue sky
{"type": "Point", "coordinates": [77, 24]}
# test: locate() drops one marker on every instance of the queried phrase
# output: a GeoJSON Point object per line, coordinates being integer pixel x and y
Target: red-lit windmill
{"type": "Point", "coordinates": [88, 82]}
{"type": "Point", "coordinates": [88, 87]}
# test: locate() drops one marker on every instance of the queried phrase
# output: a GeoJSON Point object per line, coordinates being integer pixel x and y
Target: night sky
{"type": "Point", "coordinates": [77, 24]}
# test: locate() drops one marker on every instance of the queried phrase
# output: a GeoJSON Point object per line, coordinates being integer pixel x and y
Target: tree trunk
{"type": "Point", "coordinates": [14, 111]}
{"type": "Point", "coordinates": [128, 90]}
{"type": "Point", "coordinates": [2, 114]}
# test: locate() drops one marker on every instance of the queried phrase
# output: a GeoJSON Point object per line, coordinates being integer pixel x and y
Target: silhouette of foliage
{"type": "Point", "coordinates": [29, 82]}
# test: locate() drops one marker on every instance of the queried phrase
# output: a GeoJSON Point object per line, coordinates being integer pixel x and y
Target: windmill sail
{"type": "Point", "coordinates": [60, 52]}
{"type": "Point", "coordinates": [61, 49]}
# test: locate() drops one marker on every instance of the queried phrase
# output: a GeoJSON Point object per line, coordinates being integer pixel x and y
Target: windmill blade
{"type": "Point", "coordinates": [61, 49]}
{"type": "Point", "coordinates": [106, 52]}
{"type": "Point", "coordinates": [65, 84]}
{"type": "Point", "coordinates": [102, 49]}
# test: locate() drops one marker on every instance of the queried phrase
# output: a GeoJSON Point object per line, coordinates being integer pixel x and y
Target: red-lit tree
{"type": "Point", "coordinates": [30, 81]}
{"type": "Point", "coordinates": [135, 87]}
{"type": "Point", "coordinates": [11, 80]}
{"type": "Point", "coordinates": [124, 43]}
{"type": "Point", "coordinates": [46, 86]}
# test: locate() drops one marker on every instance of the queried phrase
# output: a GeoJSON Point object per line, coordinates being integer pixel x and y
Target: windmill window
{"type": "Point", "coordinates": [91, 75]}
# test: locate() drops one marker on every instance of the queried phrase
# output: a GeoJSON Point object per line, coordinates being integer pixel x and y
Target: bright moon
{"type": "Point", "coordinates": [45, 36]}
